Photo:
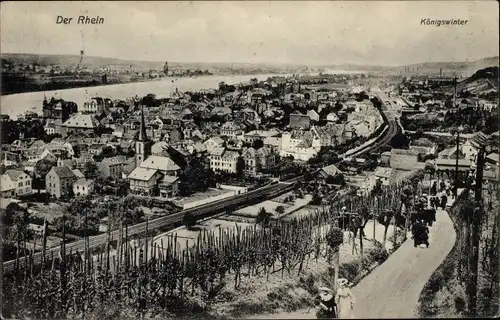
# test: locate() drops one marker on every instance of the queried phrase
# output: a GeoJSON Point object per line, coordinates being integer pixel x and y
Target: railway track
{"type": "Point", "coordinates": [172, 220]}
{"type": "Point", "coordinates": [384, 139]}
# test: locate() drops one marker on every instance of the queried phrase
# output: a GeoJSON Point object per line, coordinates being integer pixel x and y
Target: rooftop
{"type": "Point", "coordinates": [63, 172]}
{"type": "Point", "coordinates": [160, 162]}
{"type": "Point", "coordinates": [142, 174]}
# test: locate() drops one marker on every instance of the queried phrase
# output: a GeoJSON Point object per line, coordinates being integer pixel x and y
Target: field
{"type": "Point", "coordinates": [271, 205]}
{"type": "Point", "coordinates": [49, 211]}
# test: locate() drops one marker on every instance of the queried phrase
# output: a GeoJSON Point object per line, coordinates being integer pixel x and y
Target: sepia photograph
{"type": "Point", "coordinates": [249, 160]}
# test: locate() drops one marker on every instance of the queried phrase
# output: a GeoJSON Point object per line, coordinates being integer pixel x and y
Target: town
{"type": "Point", "coordinates": [252, 153]}
{"type": "Point", "coordinates": [249, 160]}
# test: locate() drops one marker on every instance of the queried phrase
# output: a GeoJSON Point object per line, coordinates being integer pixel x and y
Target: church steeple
{"type": "Point", "coordinates": [142, 130]}
{"type": "Point", "coordinates": [142, 145]}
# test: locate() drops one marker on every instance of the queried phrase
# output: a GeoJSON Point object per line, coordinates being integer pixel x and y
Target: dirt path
{"type": "Point", "coordinates": [392, 290]}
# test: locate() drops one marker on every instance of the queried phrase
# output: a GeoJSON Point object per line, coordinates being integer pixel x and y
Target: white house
{"type": "Point", "coordinates": [313, 115]}
{"type": "Point", "coordinates": [214, 143]}
{"type": "Point", "coordinates": [83, 187]}
{"type": "Point", "coordinates": [15, 183]}
{"type": "Point", "coordinates": [301, 145]}
{"type": "Point", "coordinates": [332, 117]}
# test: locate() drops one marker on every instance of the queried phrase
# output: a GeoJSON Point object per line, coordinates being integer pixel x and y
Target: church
{"type": "Point", "coordinates": [153, 175]}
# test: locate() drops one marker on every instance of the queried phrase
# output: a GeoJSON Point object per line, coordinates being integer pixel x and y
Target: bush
{"type": "Point", "coordinates": [309, 284]}
{"type": "Point", "coordinates": [349, 270]}
{"type": "Point", "coordinates": [189, 220]}
{"type": "Point", "coordinates": [335, 237]}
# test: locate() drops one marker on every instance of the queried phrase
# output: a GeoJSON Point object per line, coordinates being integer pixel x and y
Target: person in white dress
{"type": "Point", "coordinates": [344, 300]}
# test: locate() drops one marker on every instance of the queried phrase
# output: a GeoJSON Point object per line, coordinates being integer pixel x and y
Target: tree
{"type": "Point", "coordinates": [196, 177]}
{"type": "Point", "coordinates": [263, 217]}
{"type": "Point", "coordinates": [400, 141]}
{"type": "Point", "coordinates": [15, 221]}
{"type": "Point", "coordinates": [86, 217]}
{"type": "Point", "coordinates": [189, 220]}
{"type": "Point", "coordinates": [240, 166]}
{"type": "Point", "coordinates": [334, 239]}
{"type": "Point", "coordinates": [129, 212]}
{"type": "Point", "coordinates": [90, 170]}
{"type": "Point", "coordinates": [280, 210]}
{"type": "Point", "coordinates": [316, 198]}
{"type": "Point", "coordinates": [257, 144]}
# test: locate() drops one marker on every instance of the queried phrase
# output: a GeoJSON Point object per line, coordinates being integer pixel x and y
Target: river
{"type": "Point", "coordinates": [15, 104]}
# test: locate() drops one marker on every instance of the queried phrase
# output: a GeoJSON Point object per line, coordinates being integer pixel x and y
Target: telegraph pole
{"type": "Point", "coordinates": [476, 233]}
{"type": "Point", "coordinates": [455, 189]}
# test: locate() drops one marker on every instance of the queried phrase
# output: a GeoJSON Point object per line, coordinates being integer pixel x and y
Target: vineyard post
{"type": "Point", "coordinates": [394, 230]}
{"type": "Point", "coordinates": [361, 240]}
{"type": "Point", "coordinates": [375, 216]}
{"type": "Point", "coordinates": [86, 243]}
{"type": "Point", "coordinates": [44, 243]}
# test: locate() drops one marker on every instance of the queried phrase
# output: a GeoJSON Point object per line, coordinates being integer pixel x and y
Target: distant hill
{"type": "Point", "coordinates": [97, 62]}
{"type": "Point", "coordinates": [482, 82]}
{"type": "Point", "coordinates": [465, 66]}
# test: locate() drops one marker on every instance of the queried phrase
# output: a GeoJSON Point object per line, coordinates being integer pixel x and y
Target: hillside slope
{"type": "Point", "coordinates": [482, 81]}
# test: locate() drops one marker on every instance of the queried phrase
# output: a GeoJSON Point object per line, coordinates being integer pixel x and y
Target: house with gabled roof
{"type": "Point", "coordinates": [17, 183]}
{"type": "Point", "coordinates": [112, 167]}
{"type": "Point", "coordinates": [59, 181]}
{"type": "Point", "coordinates": [79, 123]}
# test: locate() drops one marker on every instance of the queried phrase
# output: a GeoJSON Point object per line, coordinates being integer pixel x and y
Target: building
{"type": "Point", "coordinates": [252, 136]}
{"type": "Point", "coordinates": [257, 160]}
{"type": "Point", "coordinates": [143, 144]}
{"type": "Point", "coordinates": [59, 181]}
{"type": "Point", "coordinates": [83, 187]}
{"type": "Point", "coordinates": [386, 175]}
{"type": "Point", "coordinates": [224, 160]}
{"type": "Point", "coordinates": [451, 153]}
{"type": "Point", "coordinates": [299, 121]}
{"type": "Point", "coordinates": [313, 115]}
{"type": "Point", "coordinates": [214, 143]}
{"type": "Point", "coordinates": [151, 182]}
{"type": "Point", "coordinates": [144, 181]}
{"type": "Point", "coordinates": [84, 123]}
{"type": "Point", "coordinates": [95, 105]}
{"type": "Point", "coordinates": [112, 167]}
{"type": "Point", "coordinates": [153, 175]}
{"type": "Point", "coordinates": [15, 183]}
{"type": "Point", "coordinates": [300, 144]}
{"type": "Point", "coordinates": [232, 129]}
{"type": "Point", "coordinates": [329, 171]}
{"type": "Point", "coordinates": [163, 164]}
{"type": "Point", "coordinates": [332, 117]}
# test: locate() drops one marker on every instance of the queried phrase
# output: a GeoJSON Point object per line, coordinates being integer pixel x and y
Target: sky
{"type": "Point", "coordinates": [308, 32]}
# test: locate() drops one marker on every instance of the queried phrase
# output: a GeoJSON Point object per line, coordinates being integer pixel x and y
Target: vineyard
{"type": "Point", "coordinates": [164, 276]}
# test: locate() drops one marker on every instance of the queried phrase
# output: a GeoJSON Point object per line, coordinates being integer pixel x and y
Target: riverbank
{"type": "Point", "coordinates": [15, 104]}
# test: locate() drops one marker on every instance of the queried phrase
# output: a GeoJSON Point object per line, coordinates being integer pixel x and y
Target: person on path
{"type": "Point", "coordinates": [326, 304]}
{"type": "Point", "coordinates": [345, 300]}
